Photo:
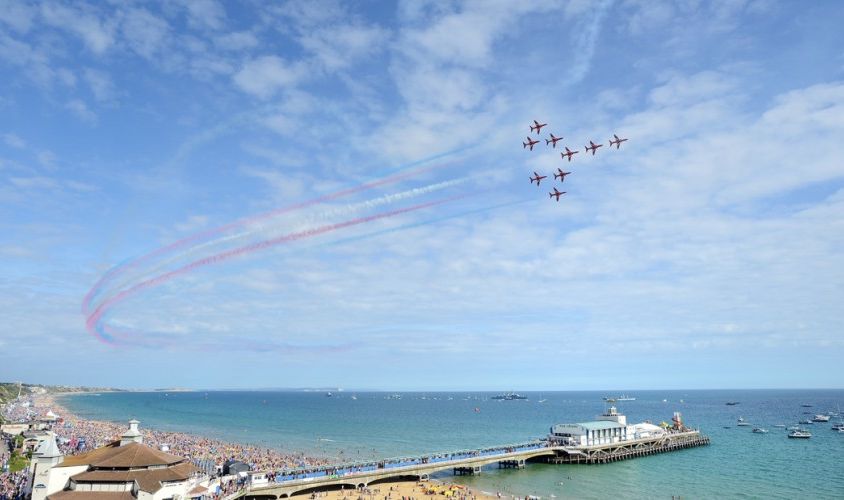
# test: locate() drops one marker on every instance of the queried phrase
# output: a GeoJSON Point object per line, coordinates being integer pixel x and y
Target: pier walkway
{"type": "Point", "coordinates": [358, 475]}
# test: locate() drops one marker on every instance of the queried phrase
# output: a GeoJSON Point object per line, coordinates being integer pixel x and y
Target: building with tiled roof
{"type": "Point", "coordinates": [121, 470]}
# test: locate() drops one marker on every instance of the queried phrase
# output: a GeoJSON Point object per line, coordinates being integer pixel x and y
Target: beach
{"type": "Point", "coordinates": [76, 435]}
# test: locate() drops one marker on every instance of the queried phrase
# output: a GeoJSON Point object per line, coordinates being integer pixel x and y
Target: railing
{"type": "Point", "coordinates": [441, 459]}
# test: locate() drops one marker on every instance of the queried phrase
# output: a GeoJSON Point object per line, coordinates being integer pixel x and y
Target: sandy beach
{"type": "Point", "coordinates": [78, 435]}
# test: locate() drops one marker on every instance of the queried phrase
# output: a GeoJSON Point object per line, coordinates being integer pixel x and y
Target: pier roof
{"type": "Point", "coordinates": [599, 425]}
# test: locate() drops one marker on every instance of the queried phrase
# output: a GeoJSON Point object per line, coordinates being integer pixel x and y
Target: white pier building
{"type": "Point", "coordinates": [609, 428]}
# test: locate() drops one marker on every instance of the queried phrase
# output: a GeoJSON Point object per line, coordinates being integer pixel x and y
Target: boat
{"type": "Point", "coordinates": [732, 403]}
{"type": "Point", "coordinates": [780, 426]}
{"type": "Point", "coordinates": [742, 423]}
{"type": "Point", "coordinates": [610, 400]}
{"type": "Point", "coordinates": [508, 396]}
{"type": "Point", "coordinates": [625, 397]}
{"type": "Point", "coordinates": [759, 430]}
{"type": "Point", "coordinates": [799, 434]}
{"type": "Point", "coordinates": [805, 421]}
{"type": "Point", "coordinates": [543, 400]}
{"type": "Point", "coordinates": [328, 394]}
{"type": "Point", "coordinates": [821, 418]}
{"type": "Point", "coordinates": [354, 397]}
{"type": "Point", "coordinates": [838, 426]}
{"type": "Point", "coordinates": [806, 405]}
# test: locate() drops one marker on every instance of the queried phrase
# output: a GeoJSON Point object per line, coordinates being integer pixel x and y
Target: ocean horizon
{"type": "Point", "coordinates": [361, 425]}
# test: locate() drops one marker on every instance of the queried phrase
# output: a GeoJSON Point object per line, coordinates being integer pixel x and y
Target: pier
{"type": "Point", "coordinates": [465, 462]}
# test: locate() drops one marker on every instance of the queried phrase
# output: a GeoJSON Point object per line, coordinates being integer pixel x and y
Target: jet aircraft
{"type": "Point", "coordinates": [617, 142]}
{"type": "Point", "coordinates": [594, 147]}
{"type": "Point", "coordinates": [537, 178]}
{"type": "Point", "coordinates": [556, 193]}
{"type": "Point", "coordinates": [537, 126]}
{"type": "Point", "coordinates": [568, 153]}
{"type": "Point", "coordinates": [562, 175]}
{"type": "Point", "coordinates": [529, 143]}
{"type": "Point", "coordinates": [552, 141]}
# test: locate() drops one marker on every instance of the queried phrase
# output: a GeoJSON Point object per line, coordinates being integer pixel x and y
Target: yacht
{"type": "Point", "coordinates": [759, 430]}
{"type": "Point", "coordinates": [839, 426]}
{"type": "Point", "coordinates": [821, 418]}
{"type": "Point", "coordinates": [742, 423]}
{"type": "Point", "coordinates": [799, 434]}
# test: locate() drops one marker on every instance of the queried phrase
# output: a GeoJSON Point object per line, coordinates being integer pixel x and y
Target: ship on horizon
{"type": "Point", "coordinates": [508, 396]}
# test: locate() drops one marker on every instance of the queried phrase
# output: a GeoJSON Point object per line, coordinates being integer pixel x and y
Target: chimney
{"type": "Point", "coordinates": [133, 435]}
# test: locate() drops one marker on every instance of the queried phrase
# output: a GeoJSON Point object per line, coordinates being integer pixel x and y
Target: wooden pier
{"type": "Point", "coordinates": [606, 453]}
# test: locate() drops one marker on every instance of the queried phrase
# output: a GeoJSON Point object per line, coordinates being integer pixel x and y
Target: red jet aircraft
{"type": "Point", "coordinates": [537, 178]}
{"type": "Point", "coordinates": [529, 143]}
{"type": "Point", "coordinates": [553, 141]}
{"type": "Point", "coordinates": [562, 175]}
{"type": "Point", "coordinates": [537, 126]}
{"type": "Point", "coordinates": [556, 193]}
{"type": "Point", "coordinates": [617, 142]}
{"type": "Point", "coordinates": [594, 147]}
{"type": "Point", "coordinates": [568, 153]}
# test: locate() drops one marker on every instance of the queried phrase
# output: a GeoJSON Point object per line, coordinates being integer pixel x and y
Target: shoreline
{"type": "Point", "coordinates": [207, 451]}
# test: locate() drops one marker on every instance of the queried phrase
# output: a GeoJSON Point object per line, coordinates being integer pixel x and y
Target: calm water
{"type": "Point", "coordinates": [738, 464]}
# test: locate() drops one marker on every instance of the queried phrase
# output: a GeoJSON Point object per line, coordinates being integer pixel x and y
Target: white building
{"type": "Point", "coordinates": [608, 428]}
{"type": "Point", "coordinates": [122, 470]}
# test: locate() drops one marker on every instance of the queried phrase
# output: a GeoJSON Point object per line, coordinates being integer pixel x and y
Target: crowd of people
{"type": "Point", "coordinates": [77, 435]}
{"type": "Point", "coordinates": [13, 485]}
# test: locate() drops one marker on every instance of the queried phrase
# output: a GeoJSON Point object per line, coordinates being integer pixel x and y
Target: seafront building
{"type": "Point", "coordinates": [122, 470]}
{"type": "Point", "coordinates": [608, 428]}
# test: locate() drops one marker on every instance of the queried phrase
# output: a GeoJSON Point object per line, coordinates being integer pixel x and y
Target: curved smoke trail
{"type": "Point", "coordinates": [261, 228]}
{"type": "Point", "coordinates": [125, 267]}
{"type": "Point", "coordinates": [94, 318]}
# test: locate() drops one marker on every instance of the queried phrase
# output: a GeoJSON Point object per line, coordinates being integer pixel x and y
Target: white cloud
{"type": "Point", "coordinates": [100, 83]}
{"type": "Point", "coordinates": [13, 140]}
{"type": "Point", "coordinates": [341, 46]}
{"type": "Point", "coordinates": [82, 21]}
{"type": "Point", "coordinates": [146, 34]}
{"type": "Point", "coordinates": [266, 75]}
{"type": "Point", "coordinates": [17, 15]}
{"type": "Point", "coordinates": [81, 110]}
{"type": "Point", "coordinates": [240, 40]}
{"type": "Point", "coordinates": [205, 13]}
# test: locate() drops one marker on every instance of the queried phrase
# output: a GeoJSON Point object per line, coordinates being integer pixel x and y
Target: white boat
{"type": "Point", "coordinates": [759, 430]}
{"type": "Point", "coordinates": [742, 423]}
{"type": "Point", "coordinates": [780, 426]}
{"type": "Point", "coordinates": [799, 434]}
{"type": "Point", "coordinates": [821, 418]}
{"type": "Point", "coordinates": [625, 397]}
{"type": "Point", "coordinates": [838, 426]}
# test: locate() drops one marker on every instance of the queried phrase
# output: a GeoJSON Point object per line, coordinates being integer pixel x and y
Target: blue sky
{"type": "Point", "coordinates": [707, 252]}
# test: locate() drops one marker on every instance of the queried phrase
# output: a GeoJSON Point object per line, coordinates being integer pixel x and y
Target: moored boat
{"type": "Point", "coordinates": [759, 430]}
{"type": "Point", "coordinates": [799, 434]}
{"type": "Point", "coordinates": [741, 422]}
{"type": "Point", "coordinates": [821, 418]}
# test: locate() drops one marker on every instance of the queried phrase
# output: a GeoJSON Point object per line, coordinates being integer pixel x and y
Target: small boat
{"type": "Point", "coordinates": [799, 434]}
{"type": "Point", "coordinates": [610, 400]}
{"type": "Point", "coordinates": [664, 400]}
{"type": "Point", "coordinates": [838, 426]}
{"type": "Point", "coordinates": [508, 396]}
{"type": "Point", "coordinates": [727, 427]}
{"type": "Point", "coordinates": [625, 397]}
{"type": "Point", "coordinates": [794, 428]}
{"type": "Point", "coordinates": [354, 397]}
{"type": "Point", "coordinates": [779, 426]}
{"type": "Point", "coordinates": [821, 418]}
{"type": "Point", "coordinates": [328, 394]}
{"type": "Point", "coordinates": [543, 400]}
{"type": "Point", "coordinates": [805, 422]}
{"type": "Point", "coordinates": [806, 405]}
{"type": "Point", "coordinates": [759, 430]}
{"type": "Point", "coordinates": [732, 403]}
{"type": "Point", "coordinates": [742, 423]}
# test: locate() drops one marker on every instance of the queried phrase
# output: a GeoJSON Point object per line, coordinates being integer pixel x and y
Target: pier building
{"type": "Point", "coordinates": [122, 470]}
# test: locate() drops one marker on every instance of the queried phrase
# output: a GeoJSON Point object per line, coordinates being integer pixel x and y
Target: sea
{"type": "Point", "coordinates": [351, 426]}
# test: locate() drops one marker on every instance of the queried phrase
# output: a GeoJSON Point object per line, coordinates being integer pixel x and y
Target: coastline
{"type": "Point", "coordinates": [209, 451]}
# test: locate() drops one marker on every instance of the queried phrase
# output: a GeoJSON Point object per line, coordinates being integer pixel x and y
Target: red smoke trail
{"type": "Point", "coordinates": [120, 269]}
{"type": "Point", "coordinates": [94, 318]}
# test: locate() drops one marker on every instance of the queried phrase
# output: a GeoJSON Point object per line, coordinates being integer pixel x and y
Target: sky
{"type": "Point", "coordinates": [323, 194]}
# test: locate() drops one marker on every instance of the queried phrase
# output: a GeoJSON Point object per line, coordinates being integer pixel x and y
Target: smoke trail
{"type": "Point", "coordinates": [260, 228]}
{"type": "Point", "coordinates": [108, 276]}
{"type": "Point", "coordinates": [95, 317]}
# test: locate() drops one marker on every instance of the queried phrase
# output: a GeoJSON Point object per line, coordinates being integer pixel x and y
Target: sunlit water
{"type": "Point", "coordinates": [738, 463]}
